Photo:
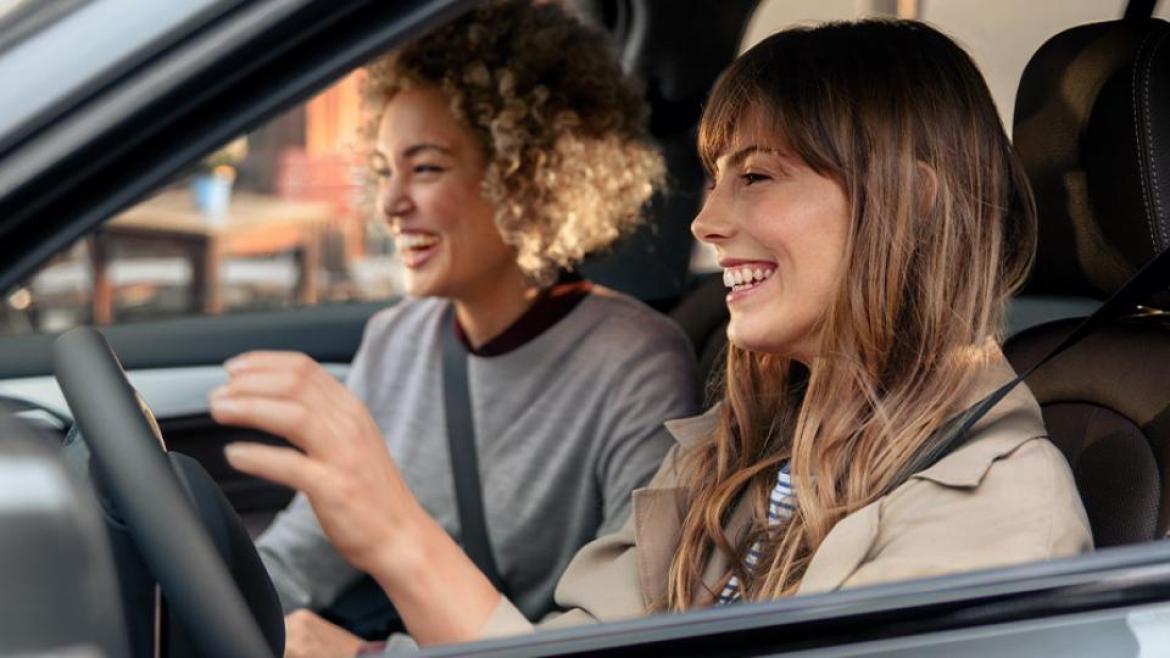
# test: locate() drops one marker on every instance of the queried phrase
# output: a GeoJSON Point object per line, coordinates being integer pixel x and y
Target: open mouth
{"type": "Point", "coordinates": [416, 248]}
{"type": "Point", "coordinates": [745, 278]}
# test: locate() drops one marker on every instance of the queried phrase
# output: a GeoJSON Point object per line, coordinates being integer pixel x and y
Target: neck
{"type": "Point", "coordinates": [490, 309]}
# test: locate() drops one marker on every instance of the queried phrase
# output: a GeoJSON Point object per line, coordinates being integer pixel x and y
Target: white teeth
{"type": "Point", "coordinates": [740, 276]}
{"type": "Point", "coordinates": [414, 240]}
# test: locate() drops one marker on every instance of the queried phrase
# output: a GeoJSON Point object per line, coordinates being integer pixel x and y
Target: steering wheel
{"type": "Point", "coordinates": [139, 480]}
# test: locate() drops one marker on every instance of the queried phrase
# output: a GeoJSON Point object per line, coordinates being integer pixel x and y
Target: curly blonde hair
{"type": "Point", "coordinates": [569, 160]}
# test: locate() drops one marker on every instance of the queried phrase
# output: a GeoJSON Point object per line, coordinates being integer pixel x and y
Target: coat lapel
{"type": "Point", "coordinates": [658, 511]}
{"type": "Point", "coordinates": [657, 528]}
{"type": "Point", "coordinates": [843, 550]}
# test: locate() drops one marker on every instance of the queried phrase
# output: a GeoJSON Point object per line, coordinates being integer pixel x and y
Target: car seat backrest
{"type": "Point", "coordinates": [1092, 124]}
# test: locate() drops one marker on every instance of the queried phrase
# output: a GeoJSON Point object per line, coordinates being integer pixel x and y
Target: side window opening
{"type": "Point", "coordinates": [274, 219]}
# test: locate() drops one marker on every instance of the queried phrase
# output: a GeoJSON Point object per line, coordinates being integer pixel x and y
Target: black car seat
{"type": "Point", "coordinates": [1092, 126]}
{"type": "Point", "coordinates": [60, 588]}
{"type": "Point", "coordinates": [703, 316]}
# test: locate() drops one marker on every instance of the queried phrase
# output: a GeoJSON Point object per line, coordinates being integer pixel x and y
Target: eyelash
{"type": "Point", "coordinates": [749, 178]}
{"type": "Point", "coordinates": [384, 172]}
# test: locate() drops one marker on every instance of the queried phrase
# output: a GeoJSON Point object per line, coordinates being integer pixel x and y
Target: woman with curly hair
{"type": "Point", "coordinates": [508, 147]}
{"type": "Point", "coordinates": [857, 168]}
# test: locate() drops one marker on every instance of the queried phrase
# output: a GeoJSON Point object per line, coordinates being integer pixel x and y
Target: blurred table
{"type": "Point", "coordinates": [255, 225]}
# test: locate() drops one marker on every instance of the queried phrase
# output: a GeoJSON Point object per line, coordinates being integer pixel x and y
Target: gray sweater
{"type": "Point", "coordinates": [567, 425]}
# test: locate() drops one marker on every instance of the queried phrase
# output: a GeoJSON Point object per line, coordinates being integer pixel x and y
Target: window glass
{"type": "Point", "coordinates": [276, 218]}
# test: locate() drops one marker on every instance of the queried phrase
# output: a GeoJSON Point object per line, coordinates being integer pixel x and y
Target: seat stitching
{"type": "Point", "coordinates": [1137, 124]}
{"type": "Point", "coordinates": [1151, 148]}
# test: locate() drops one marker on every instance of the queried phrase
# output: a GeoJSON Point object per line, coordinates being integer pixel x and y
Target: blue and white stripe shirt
{"type": "Point", "coordinates": [781, 505]}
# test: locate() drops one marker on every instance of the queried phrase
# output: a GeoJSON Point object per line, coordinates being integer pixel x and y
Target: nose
{"type": "Point", "coordinates": [394, 199]}
{"type": "Point", "coordinates": [713, 223]}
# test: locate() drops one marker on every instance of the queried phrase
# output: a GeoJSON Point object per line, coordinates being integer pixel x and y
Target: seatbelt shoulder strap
{"type": "Point", "coordinates": [954, 433]}
{"type": "Point", "coordinates": [461, 445]}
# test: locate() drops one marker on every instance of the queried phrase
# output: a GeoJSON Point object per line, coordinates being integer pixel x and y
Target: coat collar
{"type": "Point", "coordinates": [658, 512]}
{"type": "Point", "coordinates": [1016, 419]}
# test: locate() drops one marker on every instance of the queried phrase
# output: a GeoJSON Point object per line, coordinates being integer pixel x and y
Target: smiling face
{"type": "Point", "coordinates": [432, 169]}
{"type": "Point", "coordinates": [780, 230]}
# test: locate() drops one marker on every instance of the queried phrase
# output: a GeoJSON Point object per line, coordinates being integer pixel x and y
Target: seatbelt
{"type": "Point", "coordinates": [954, 433]}
{"type": "Point", "coordinates": [464, 461]}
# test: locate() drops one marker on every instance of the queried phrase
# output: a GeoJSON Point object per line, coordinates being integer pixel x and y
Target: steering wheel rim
{"type": "Point", "coordinates": [138, 478]}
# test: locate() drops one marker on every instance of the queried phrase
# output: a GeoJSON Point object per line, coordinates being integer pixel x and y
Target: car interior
{"type": "Point", "coordinates": [1090, 122]}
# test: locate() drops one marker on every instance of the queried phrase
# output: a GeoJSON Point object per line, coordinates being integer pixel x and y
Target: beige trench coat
{"type": "Point", "coordinates": [1007, 496]}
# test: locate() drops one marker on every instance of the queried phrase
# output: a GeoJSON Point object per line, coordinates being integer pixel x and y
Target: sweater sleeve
{"type": "Point", "coordinates": [655, 385]}
{"type": "Point", "coordinates": [304, 567]}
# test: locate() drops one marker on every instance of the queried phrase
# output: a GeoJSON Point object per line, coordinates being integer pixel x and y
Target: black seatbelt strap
{"type": "Point", "coordinates": [954, 433]}
{"type": "Point", "coordinates": [464, 458]}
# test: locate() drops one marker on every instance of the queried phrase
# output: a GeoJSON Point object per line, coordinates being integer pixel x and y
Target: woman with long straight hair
{"type": "Point", "coordinates": [872, 221]}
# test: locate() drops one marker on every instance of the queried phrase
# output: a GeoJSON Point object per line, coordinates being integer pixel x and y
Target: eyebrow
{"type": "Point", "coordinates": [415, 149]}
{"type": "Point", "coordinates": [737, 158]}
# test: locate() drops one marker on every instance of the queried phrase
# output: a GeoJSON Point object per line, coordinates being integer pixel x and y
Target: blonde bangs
{"type": "Point", "coordinates": [728, 102]}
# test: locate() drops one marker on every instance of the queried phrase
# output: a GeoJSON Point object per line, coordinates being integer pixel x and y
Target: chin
{"type": "Point", "coordinates": [756, 338]}
{"type": "Point", "coordinates": [419, 287]}
{"type": "Point", "coordinates": [745, 338]}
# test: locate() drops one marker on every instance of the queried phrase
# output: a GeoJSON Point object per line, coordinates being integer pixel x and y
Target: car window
{"type": "Point", "coordinates": [273, 219]}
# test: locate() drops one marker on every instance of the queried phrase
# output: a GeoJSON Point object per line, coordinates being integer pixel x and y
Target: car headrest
{"type": "Point", "coordinates": [1092, 126]}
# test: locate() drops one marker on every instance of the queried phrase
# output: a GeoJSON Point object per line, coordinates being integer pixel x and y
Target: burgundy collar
{"type": "Point", "coordinates": [550, 307]}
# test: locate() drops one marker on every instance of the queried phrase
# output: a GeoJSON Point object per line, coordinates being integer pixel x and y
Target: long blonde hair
{"type": "Point", "coordinates": [942, 232]}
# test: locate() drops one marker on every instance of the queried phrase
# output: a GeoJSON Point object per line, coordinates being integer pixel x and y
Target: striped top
{"type": "Point", "coordinates": [781, 504]}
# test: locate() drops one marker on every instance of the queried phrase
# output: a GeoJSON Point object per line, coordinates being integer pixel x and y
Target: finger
{"type": "Point", "coordinates": [269, 360]}
{"type": "Point", "coordinates": [282, 374]}
{"type": "Point", "coordinates": [285, 418]}
{"type": "Point", "coordinates": [283, 465]}
{"type": "Point", "coordinates": [266, 383]}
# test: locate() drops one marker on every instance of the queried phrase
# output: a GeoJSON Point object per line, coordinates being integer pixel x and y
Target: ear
{"type": "Point", "coordinates": [925, 186]}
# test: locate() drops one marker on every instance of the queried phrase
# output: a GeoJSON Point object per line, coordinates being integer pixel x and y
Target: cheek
{"type": "Point", "coordinates": [445, 206]}
{"type": "Point", "coordinates": [807, 241]}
